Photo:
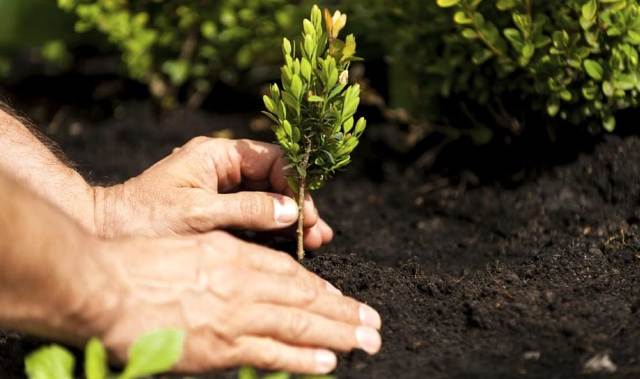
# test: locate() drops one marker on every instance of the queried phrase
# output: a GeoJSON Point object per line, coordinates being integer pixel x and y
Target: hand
{"type": "Point", "coordinates": [200, 188]}
{"type": "Point", "coordinates": [239, 304]}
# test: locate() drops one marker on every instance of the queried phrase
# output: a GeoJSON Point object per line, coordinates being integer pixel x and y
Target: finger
{"type": "Point", "coordinates": [258, 257]}
{"type": "Point", "coordinates": [261, 161]}
{"type": "Point", "coordinates": [245, 210]}
{"type": "Point", "coordinates": [326, 231]}
{"type": "Point", "coordinates": [300, 327]}
{"type": "Point", "coordinates": [264, 259]}
{"type": "Point", "coordinates": [313, 238]}
{"type": "Point", "coordinates": [267, 354]}
{"type": "Point", "coordinates": [300, 293]}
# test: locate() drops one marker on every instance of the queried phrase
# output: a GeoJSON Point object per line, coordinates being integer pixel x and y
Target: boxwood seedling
{"type": "Point", "coordinates": [153, 353]}
{"type": "Point", "coordinates": [313, 109]}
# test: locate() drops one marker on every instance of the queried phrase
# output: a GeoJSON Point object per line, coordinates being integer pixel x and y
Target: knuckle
{"type": "Point", "coordinates": [195, 141]}
{"type": "Point", "coordinates": [349, 310]}
{"type": "Point", "coordinates": [307, 292]}
{"type": "Point", "coordinates": [253, 206]}
{"type": "Point", "coordinates": [225, 283]}
{"type": "Point", "coordinates": [286, 264]}
{"type": "Point", "coordinates": [298, 326]}
{"type": "Point", "coordinates": [269, 359]}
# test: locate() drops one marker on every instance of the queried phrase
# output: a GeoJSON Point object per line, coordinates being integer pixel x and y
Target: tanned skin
{"type": "Point", "coordinates": [115, 262]}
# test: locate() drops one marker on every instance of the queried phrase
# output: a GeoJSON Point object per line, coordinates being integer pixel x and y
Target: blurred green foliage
{"type": "Point", "coordinates": [189, 43]}
{"type": "Point", "coordinates": [37, 27]}
{"type": "Point", "coordinates": [574, 60]}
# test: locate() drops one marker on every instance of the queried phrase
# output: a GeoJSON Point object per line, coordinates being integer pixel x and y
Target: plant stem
{"type": "Point", "coordinates": [302, 182]}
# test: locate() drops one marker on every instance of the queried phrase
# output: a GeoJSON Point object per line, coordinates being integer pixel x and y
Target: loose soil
{"type": "Point", "coordinates": [508, 278]}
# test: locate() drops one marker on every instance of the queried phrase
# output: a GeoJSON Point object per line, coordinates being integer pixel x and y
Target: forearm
{"type": "Point", "coordinates": [51, 282]}
{"type": "Point", "coordinates": [31, 163]}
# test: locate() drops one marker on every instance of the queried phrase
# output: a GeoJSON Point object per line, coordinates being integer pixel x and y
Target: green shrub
{"type": "Point", "coordinates": [573, 60]}
{"type": "Point", "coordinates": [188, 44]}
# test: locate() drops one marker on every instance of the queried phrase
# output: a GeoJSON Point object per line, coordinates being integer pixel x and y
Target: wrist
{"type": "Point", "coordinates": [109, 209]}
{"type": "Point", "coordinates": [92, 302]}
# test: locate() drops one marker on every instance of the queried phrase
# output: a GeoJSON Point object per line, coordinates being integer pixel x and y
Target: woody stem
{"type": "Point", "coordinates": [302, 182]}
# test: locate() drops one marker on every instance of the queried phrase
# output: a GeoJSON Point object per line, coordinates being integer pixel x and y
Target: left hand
{"type": "Point", "coordinates": [207, 184]}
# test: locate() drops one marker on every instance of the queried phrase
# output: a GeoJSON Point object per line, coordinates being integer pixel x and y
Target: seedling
{"type": "Point", "coordinates": [251, 373]}
{"type": "Point", "coordinates": [153, 353]}
{"type": "Point", "coordinates": [313, 109]}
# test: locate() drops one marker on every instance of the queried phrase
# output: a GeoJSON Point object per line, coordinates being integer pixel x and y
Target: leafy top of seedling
{"type": "Point", "coordinates": [314, 107]}
{"type": "Point", "coordinates": [151, 354]}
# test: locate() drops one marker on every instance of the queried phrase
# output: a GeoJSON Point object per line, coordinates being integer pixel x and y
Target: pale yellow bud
{"type": "Point", "coordinates": [344, 77]}
{"type": "Point", "coordinates": [339, 21]}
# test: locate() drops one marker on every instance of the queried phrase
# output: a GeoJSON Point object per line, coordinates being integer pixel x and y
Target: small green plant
{"type": "Point", "coordinates": [251, 373]}
{"type": "Point", "coordinates": [151, 354]}
{"type": "Point", "coordinates": [314, 108]}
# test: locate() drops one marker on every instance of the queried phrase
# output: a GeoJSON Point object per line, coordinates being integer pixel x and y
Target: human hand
{"type": "Point", "coordinates": [239, 304]}
{"type": "Point", "coordinates": [207, 184]}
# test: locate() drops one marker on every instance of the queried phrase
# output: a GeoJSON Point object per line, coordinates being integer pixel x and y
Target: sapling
{"type": "Point", "coordinates": [314, 108]}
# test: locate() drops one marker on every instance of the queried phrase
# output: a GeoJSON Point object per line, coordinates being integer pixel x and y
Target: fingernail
{"type": "Point", "coordinates": [325, 361]}
{"type": "Point", "coordinates": [285, 210]}
{"type": "Point", "coordinates": [334, 290]}
{"type": "Point", "coordinates": [369, 317]}
{"type": "Point", "coordinates": [368, 339]}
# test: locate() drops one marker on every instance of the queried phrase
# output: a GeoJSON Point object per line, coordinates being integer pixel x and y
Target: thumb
{"type": "Point", "coordinates": [253, 210]}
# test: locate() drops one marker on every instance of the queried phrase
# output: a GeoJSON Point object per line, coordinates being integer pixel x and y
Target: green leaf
{"type": "Point", "coordinates": [589, 9]}
{"type": "Point", "coordinates": [277, 375]}
{"type": "Point", "coordinates": [593, 69]}
{"type": "Point", "coordinates": [95, 360]}
{"type": "Point", "coordinates": [609, 123]}
{"type": "Point", "coordinates": [286, 46]}
{"type": "Point", "coordinates": [50, 362]}
{"type": "Point", "coordinates": [305, 69]}
{"type": "Point", "coordinates": [286, 125]}
{"type": "Point", "coordinates": [268, 103]}
{"type": "Point", "coordinates": [250, 372]}
{"type": "Point", "coordinates": [348, 125]}
{"type": "Point", "coordinates": [461, 18]}
{"type": "Point", "coordinates": [447, 3]}
{"type": "Point", "coordinates": [469, 33]}
{"type": "Point", "coordinates": [296, 87]}
{"type": "Point", "coordinates": [154, 353]}
{"type": "Point", "coordinates": [360, 126]}
{"type": "Point", "coordinates": [349, 48]}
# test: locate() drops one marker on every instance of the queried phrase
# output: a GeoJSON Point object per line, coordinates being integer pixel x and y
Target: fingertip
{"type": "Point", "coordinates": [326, 230]}
{"type": "Point", "coordinates": [313, 238]}
{"type": "Point", "coordinates": [285, 210]}
{"type": "Point", "coordinates": [326, 361]}
{"type": "Point", "coordinates": [310, 212]}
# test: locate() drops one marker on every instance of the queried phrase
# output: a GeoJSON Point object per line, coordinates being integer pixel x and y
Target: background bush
{"type": "Point", "coordinates": [23, 37]}
{"type": "Point", "coordinates": [470, 65]}
{"type": "Point", "coordinates": [190, 44]}
{"type": "Point", "coordinates": [573, 60]}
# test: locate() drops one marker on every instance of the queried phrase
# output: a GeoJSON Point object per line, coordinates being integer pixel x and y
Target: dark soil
{"type": "Point", "coordinates": [502, 279]}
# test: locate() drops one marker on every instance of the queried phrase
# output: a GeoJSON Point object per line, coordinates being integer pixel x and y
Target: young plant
{"type": "Point", "coordinates": [151, 354]}
{"type": "Point", "coordinates": [251, 373]}
{"type": "Point", "coordinates": [314, 108]}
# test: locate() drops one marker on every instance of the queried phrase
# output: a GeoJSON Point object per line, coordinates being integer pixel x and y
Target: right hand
{"type": "Point", "coordinates": [239, 304]}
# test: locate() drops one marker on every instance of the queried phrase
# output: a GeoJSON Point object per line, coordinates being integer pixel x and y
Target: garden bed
{"type": "Point", "coordinates": [497, 279]}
